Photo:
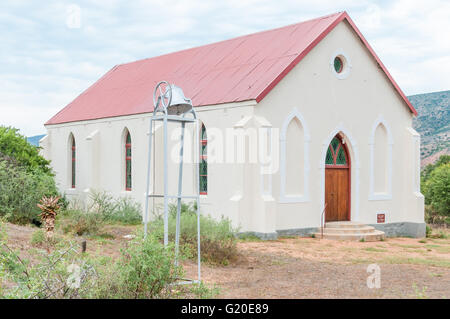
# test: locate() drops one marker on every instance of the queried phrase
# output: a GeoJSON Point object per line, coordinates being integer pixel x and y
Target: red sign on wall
{"type": "Point", "coordinates": [380, 218]}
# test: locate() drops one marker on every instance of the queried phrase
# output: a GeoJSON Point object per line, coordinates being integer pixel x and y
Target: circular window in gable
{"type": "Point", "coordinates": [340, 64]}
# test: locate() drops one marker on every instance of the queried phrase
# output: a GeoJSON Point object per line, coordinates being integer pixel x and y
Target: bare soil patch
{"type": "Point", "coordinates": [314, 268]}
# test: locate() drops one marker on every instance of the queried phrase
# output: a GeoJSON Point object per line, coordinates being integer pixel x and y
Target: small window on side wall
{"type": "Point", "coordinates": [73, 162]}
{"type": "Point", "coordinates": [128, 161]}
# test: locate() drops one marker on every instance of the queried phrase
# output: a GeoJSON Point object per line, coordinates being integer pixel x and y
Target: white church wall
{"type": "Point", "coordinates": [352, 103]}
{"type": "Point", "coordinates": [100, 159]}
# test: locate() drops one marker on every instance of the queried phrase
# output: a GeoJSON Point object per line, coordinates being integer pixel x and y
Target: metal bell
{"type": "Point", "coordinates": [179, 104]}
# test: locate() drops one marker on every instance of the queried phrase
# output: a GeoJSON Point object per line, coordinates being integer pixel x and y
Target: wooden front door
{"type": "Point", "coordinates": [337, 181]}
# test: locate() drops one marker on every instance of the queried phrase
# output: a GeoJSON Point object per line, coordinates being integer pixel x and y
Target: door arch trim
{"type": "Point", "coordinates": [355, 169]}
{"type": "Point", "coordinates": [347, 166]}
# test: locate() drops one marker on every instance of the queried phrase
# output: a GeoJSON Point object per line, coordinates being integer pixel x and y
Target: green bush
{"type": "Point", "coordinates": [437, 190]}
{"type": "Point", "coordinates": [78, 222]}
{"type": "Point", "coordinates": [217, 237]}
{"type": "Point", "coordinates": [115, 210]}
{"type": "Point", "coordinates": [15, 145]}
{"type": "Point", "coordinates": [435, 185]}
{"type": "Point", "coordinates": [144, 270]}
{"type": "Point", "coordinates": [25, 177]}
{"type": "Point", "coordinates": [428, 231]}
{"type": "Point", "coordinates": [21, 190]}
{"type": "Point", "coordinates": [103, 209]}
{"type": "Point", "coordinates": [426, 172]}
{"type": "Point", "coordinates": [38, 237]}
{"type": "Point", "coordinates": [51, 275]}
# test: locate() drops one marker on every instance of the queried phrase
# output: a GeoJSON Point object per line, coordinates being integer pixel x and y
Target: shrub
{"type": "Point", "coordinates": [15, 145]}
{"type": "Point", "coordinates": [21, 189]}
{"type": "Point", "coordinates": [38, 237]}
{"type": "Point", "coordinates": [115, 210]}
{"type": "Point", "coordinates": [146, 269]}
{"type": "Point", "coordinates": [426, 172]}
{"type": "Point", "coordinates": [103, 209]}
{"type": "Point", "coordinates": [78, 222]}
{"type": "Point", "coordinates": [428, 231]}
{"type": "Point", "coordinates": [217, 237]}
{"type": "Point", "coordinates": [437, 190]}
{"type": "Point", "coordinates": [60, 273]}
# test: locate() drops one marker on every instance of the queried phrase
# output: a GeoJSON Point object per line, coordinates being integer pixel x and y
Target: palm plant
{"type": "Point", "coordinates": [49, 207]}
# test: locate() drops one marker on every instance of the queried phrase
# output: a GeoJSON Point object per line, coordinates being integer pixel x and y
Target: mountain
{"type": "Point", "coordinates": [433, 124]}
{"type": "Point", "coordinates": [34, 140]}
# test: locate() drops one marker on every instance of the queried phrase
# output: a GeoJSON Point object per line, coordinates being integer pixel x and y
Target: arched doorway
{"type": "Point", "coordinates": [337, 181]}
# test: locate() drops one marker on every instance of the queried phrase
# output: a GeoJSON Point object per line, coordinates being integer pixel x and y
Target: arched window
{"type": "Point", "coordinates": [336, 154]}
{"type": "Point", "coordinates": [73, 162]}
{"type": "Point", "coordinates": [128, 161]}
{"type": "Point", "coordinates": [203, 161]}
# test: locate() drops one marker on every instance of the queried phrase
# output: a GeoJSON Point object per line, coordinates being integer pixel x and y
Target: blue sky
{"type": "Point", "coordinates": [52, 50]}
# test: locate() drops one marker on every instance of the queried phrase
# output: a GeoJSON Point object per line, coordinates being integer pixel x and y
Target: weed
{"type": "Point", "coordinates": [373, 249]}
{"type": "Point", "coordinates": [428, 231]}
{"type": "Point", "coordinates": [245, 237]}
{"type": "Point", "coordinates": [419, 293]}
{"type": "Point", "coordinates": [217, 237]}
{"type": "Point", "coordinates": [38, 237]}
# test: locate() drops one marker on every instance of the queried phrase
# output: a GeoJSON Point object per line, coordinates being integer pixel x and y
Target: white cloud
{"type": "Point", "coordinates": [44, 64]}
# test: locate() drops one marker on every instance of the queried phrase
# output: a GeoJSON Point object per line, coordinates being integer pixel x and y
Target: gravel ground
{"type": "Point", "coordinates": [313, 268]}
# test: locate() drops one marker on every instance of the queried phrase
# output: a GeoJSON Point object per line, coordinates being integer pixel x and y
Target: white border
{"type": "Point", "coordinates": [284, 198]}
{"type": "Point", "coordinates": [387, 195]}
{"type": "Point", "coordinates": [346, 68]}
{"type": "Point", "coordinates": [266, 191]}
{"type": "Point", "coordinates": [355, 164]}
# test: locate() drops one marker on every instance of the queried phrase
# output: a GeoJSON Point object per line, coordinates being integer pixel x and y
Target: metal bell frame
{"type": "Point", "coordinates": [170, 105]}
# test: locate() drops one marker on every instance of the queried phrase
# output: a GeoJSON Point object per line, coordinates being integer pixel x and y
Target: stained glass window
{"type": "Point", "coordinates": [128, 162]}
{"type": "Point", "coordinates": [338, 64]}
{"type": "Point", "coordinates": [73, 162]}
{"type": "Point", "coordinates": [340, 158]}
{"type": "Point", "coordinates": [203, 164]}
{"type": "Point", "coordinates": [335, 143]}
{"type": "Point", "coordinates": [336, 154]}
{"type": "Point", "coordinates": [329, 160]}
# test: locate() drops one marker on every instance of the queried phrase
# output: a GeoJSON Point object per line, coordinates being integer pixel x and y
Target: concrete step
{"type": "Point", "coordinates": [348, 230]}
{"type": "Point", "coordinates": [344, 224]}
{"type": "Point", "coordinates": [342, 230]}
{"type": "Point", "coordinates": [376, 235]}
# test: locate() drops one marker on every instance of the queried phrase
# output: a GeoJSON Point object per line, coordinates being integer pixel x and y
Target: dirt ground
{"type": "Point", "coordinates": [308, 267]}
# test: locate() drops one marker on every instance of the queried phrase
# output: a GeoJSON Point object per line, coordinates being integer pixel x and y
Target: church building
{"type": "Point", "coordinates": [325, 133]}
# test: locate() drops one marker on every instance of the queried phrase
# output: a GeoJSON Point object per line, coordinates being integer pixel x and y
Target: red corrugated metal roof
{"type": "Point", "coordinates": [239, 69]}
